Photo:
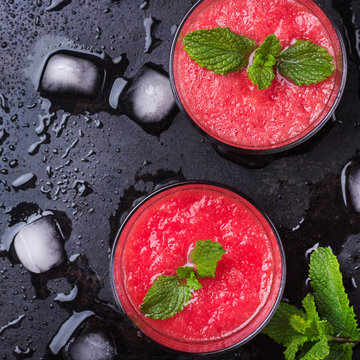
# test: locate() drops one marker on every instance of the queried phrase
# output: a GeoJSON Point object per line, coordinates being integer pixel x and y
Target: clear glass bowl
{"type": "Point", "coordinates": [150, 328]}
{"type": "Point", "coordinates": [317, 123]}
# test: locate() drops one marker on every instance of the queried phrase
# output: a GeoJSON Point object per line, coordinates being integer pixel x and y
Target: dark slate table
{"type": "Point", "coordinates": [117, 161]}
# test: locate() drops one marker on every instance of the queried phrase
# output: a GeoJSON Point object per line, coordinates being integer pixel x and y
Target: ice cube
{"type": "Point", "coordinates": [67, 74]}
{"type": "Point", "coordinates": [40, 245]}
{"type": "Point", "coordinates": [148, 100]}
{"type": "Point", "coordinates": [92, 346]}
{"type": "Point", "coordinates": [350, 183]}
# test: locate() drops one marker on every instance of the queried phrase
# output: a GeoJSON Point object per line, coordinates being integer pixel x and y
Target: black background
{"type": "Point", "coordinates": [121, 162]}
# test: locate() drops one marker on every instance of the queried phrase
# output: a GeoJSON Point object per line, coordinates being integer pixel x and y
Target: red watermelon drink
{"type": "Point", "coordinates": [157, 238]}
{"type": "Point", "coordinates": [230, 109]}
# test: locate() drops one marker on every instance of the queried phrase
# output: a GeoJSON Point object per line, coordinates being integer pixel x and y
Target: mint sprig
{"type": "Point", "coordinates": [305, 63]}
{"type": "Point", "coordinates": [326, 327]}
{"type": "Point", "coordinates": [223, 51]}
{"type": "Point", "coordinates": [166, 297]}
{"type": "Point", "coordinates": [188, 273]}
{"type": "Point", "coordinates": [219, 49]}
{"type": "Point", "coordinates": [169, 295]}
{"type": "Point", "coordinates": [261, 72]}
{"type": "Point", "coordinates": [331, 299]}
{"type": "Point", "coordinates": [205, 255]}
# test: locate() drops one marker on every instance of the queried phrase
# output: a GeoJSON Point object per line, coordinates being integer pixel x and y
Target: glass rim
{"type": "Point", "coordinates": [158, 191]}
{"type": "Point", "coordinates": [254, 150]}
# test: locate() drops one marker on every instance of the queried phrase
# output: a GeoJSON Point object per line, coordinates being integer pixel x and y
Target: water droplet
{"type": "Point", "coordinates": [82, 187]}
{"type": "Point", "coordinates": [57, 5]}
{"type": "Point", "coordinates": [98, 33]}
{"type": "Point", "coordinates": [310, 250]}
{"type": "Point", "coordinates": [69, 297]}
{"type": "Point", "coordinates": [67, 329]}
{"type": "Point", "coordinates": [98, 124]}
{"type": "Point", "coordinates": [67, 151]}
{"type": "Point", "coordinates": [58, 128]}
{"type": "Point", "coordinates": [34, 148]}
{"type": "Point", "coordinates": [3, 135]}
{"type": "Point", "coordinates": [117, 88]}
{"type": "Point", "coordinates": [24, 182]}
{"type": "Point", "coordinates": [13, 163]}
{"type": "Point", "coordinates": [91, 152]}
{"type": "Point", "coordinates": [4, 103]}
{"type": "Point", "coordinates": [144, 5]}
{"type": "Point", "coordinates": [151, 42]}
{"type": "Point", "coordinates": [49, 171]}
{"type": "Point", "coordinates": [11, 324]}
{"type": "Point", "coordinates": [173, 29]}
{"type": "Point", "coordinates": [23, 354]}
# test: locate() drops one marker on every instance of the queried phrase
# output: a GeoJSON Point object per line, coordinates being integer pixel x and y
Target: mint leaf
{"type": "Point", "coordinates": [299, 324]}
{"type": "Point", "coordinates": [306, 63]}
{"type": "Point", "coordinates": [310, 308]}
{"type": "Point", "coordinates": [219, 49]}
{"type": "Point", "coordinates": [310, 323]}
{"type": "Point", "coordinates": [262, 76]}
{"type": "Point", "coordinates": [293, 346]}
{"type": "Point", "coordinates": [320, 350]}
{"type": "Point", "coordinates": [261, 72]}
{"type": "Point", "coordinates": [300, 331]}
{"type": "Point", "coordinates": [188, 273]}
{"type": "Point", "coordinates": [279, 328]}
{"type": "Point", "coordinates": [331, 336]}
{"type": "Point", "coordinates": [184, 272]}
{"type": "Point", "coordinates": [329, 293]}
{"type": "Point", "coordinates": [169, 295]}
{"type": "Point", "coordinates": [193, 283]}
{"type": "Point", "coordinates": [317, 327]}
{"type": "Point", "coordinates": [166, 297]}
{"type": "Point", "coordinates": [205, 255]}
{"type": "Point", "coordinates": [340, 352]}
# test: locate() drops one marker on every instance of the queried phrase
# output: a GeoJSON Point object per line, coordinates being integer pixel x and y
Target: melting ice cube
{"type": "Point", "coordinates": [350, 183]}
{"type": "Point", "coordinates": [69, 74]}
{"type": "Point", "coordinates": [149, 100]}
{"type": "Point", "coordinates": [40, 245]}
{"type": "Point", "coordinates": [90, 340]}
{"type": "Point", "coordinates": [92, 346]}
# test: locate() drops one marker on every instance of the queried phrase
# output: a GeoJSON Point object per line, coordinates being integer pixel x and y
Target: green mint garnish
{"type": "Point", "coordinates": [169, 295]}
{"type": "Point", "coordinates": [306, 63]}
{"type": "Point", "coordinates": [326, 327]}
{"type": "Point", "coordinates": [261, 72]}
{"type": "Point", "coordinates": [205, 255]}
{"type": "Point", "coordinates": [331, 299]}
{"type": "Point", "coordinates": [219, 49]}
{"type": "Point", "coordinates": [166, 297]}
{"type": "Point", "coordinates": [188, 273]}
{"type": "Point", "coordinates": [340, 351]}
{"type": "Point", "coordinates": [223, 51]}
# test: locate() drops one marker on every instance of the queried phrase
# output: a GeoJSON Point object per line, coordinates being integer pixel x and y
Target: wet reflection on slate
{"type": "Point", "coordinates": [74, 157]}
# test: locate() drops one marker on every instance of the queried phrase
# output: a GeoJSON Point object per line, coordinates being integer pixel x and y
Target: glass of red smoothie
{"type": "Point", "coordinates": [230, 109]}
{"type": "Point", "coordinates": [157, 237]}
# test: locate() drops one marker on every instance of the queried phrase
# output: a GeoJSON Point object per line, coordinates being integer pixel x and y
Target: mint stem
{"type": "Point", "coordinates": [341, 340]}
{"type": "Point", "coordinates": [344, 340]}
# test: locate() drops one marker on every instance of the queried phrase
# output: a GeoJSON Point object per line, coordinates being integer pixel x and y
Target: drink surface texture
{"type": "Point", "coordinates": [159, 238]}
{"type": "Point", "coordinates": [230, 108]}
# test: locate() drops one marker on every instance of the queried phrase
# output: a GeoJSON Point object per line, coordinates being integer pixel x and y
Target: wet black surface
{"type": "Point", "coordinates": [90, 163]}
